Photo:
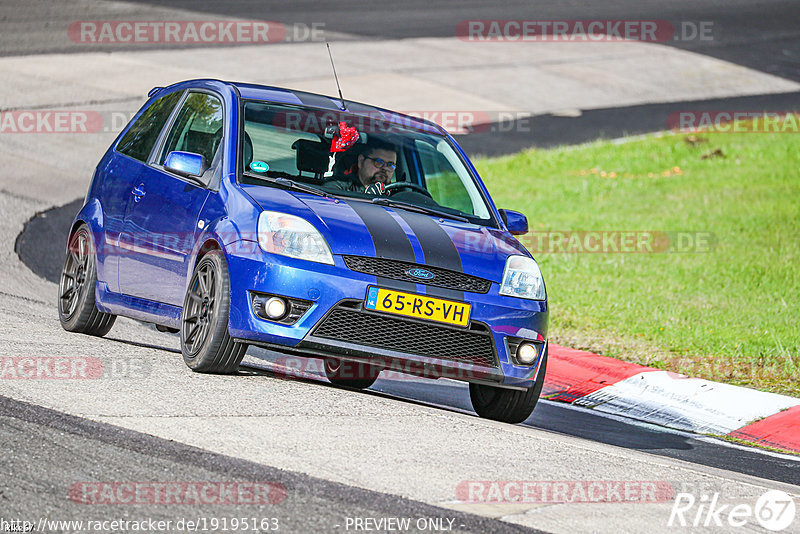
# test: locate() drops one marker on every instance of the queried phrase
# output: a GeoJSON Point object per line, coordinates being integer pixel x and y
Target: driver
{"type": "Point", "coordinates": [372, 171]}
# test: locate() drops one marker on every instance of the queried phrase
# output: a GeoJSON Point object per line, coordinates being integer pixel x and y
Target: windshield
{"type": "Point", "coordinates": [359, 156]}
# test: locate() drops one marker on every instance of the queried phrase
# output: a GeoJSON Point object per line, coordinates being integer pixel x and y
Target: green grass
{"type": "Point", "coordinates": [730, 313]}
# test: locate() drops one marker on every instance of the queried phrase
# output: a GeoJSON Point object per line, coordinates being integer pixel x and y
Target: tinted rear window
{"type": "Point", "coordinates": [138, 141]}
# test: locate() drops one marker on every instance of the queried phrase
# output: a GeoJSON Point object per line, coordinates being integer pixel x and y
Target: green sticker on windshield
{"type": "Point", "coordinates": [259, 166]}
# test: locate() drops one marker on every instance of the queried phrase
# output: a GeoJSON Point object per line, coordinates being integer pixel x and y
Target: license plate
{"type": "Point", "coordinates": [417, 306]}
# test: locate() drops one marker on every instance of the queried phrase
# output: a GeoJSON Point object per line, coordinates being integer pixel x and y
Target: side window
{"type": "Point", "coordinates": [138, 141]}
{"type": "Point", "coordinates": [441, 180]}
{"type": "Point", "coordinates": [198, 127]}
{"type": "Point", "coordinates": [275, 145]}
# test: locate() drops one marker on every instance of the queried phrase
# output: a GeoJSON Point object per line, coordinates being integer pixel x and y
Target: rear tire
{"type": "Point", "coordinates": [77, 311]}
{"type": "Point", "coordinates": [354, 375]}
{"type": "Point", "coordinates": [206, 345]}
{"type": "Point", "coordinates": [507, 405]}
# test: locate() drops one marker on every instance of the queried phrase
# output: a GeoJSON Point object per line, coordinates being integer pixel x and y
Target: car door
{"type": "Point", "coordinates": [162, 222]}
{"type": "Point", "coordinates": [118, 178]}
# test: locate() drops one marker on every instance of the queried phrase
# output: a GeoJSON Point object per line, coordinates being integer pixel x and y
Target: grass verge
{"type": "Point", "coordinates": [711, 286]}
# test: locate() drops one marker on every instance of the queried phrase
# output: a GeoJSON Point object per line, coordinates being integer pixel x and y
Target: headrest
{"type": "Point", "coordinates": [312, 156]}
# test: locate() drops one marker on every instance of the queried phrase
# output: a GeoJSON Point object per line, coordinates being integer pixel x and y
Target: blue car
{"type": "Point", "coordinates": [241, 215]}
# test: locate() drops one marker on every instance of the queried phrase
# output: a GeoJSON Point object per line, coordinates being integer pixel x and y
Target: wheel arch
{"type": "Point", "coordinates": [219, 234]}
{"type": "Point", "coordinates": [91, 214]}
{"type": "Point", "coordinates": [205, 243]}
{"type": "Point", "coordinates": [207, 246]}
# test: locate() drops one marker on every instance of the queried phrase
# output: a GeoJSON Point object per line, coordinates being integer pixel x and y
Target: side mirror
{"type": "Point", "coordinates": [186, 163]}
{"type": "Point", "coordinates": [515, 221]}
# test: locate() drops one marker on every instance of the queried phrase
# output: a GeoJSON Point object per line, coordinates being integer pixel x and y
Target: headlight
{"type": "Point", "coordinates": [522, 278]}
{"type": "Point", "coordinates": [287, 235]}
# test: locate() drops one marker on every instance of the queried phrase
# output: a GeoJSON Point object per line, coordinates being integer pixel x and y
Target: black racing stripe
{"type": "Point", "coordinates": [438, 249]}
{"type": "Point", "coordinates": [317, 101]}
{"type": "Point", "coordinates": [363, 109]}
{"type": "Point", "coordinates": [389, 238]}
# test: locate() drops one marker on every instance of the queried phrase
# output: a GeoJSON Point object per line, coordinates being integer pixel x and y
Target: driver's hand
{"type": "Point", "coordinates": [376, 189]}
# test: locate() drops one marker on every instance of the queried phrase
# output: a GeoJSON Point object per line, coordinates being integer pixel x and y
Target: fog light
{"type": "Point", "coordinates": [526, 353]}
{"type": "Point", "coordinates": [275, 308]}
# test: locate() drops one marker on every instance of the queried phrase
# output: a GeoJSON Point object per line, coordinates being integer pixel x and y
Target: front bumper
{"type": "Point", "coordinates": [500, 320]}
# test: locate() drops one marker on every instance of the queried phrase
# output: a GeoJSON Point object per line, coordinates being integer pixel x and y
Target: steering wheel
{"type": "Point", "coordinates": [407, 185]}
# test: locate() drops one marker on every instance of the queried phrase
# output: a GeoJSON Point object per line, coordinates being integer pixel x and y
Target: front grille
{"type": "Point", "coordinates": [350, 324]}
{"type": "Point", "coordinates": [397, 270]}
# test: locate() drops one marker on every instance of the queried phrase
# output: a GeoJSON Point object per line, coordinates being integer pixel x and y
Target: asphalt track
{"type": "Point", "coordinates": [584, 423]}
{"type": "Point", "coordinates": [37, 439]}
{"type": "Point", "coordinates": [762, 35]}
{"type": "Point", "coordinates": [38, 246]}
{"type": "Point", "coordinates": [45, 451]}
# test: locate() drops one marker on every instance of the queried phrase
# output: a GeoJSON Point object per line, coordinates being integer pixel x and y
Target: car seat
{"type": "Point", "coordinates": [311, 157]}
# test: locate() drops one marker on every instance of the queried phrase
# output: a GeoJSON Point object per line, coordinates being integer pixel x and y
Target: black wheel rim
{"type": "Point", "coordinates": [73, 276]}
{"type": "Point", "coordinates": [200, 309]}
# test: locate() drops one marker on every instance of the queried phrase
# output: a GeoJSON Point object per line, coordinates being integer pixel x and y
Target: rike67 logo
{"type": "Point", "coordinates": [775, 511]}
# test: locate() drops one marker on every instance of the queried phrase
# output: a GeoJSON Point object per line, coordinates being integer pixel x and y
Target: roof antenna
{"type": "Point", "coordinates": [341, 98]}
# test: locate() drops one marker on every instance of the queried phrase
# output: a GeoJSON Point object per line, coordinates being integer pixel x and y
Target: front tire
{"type": "Point", "coordinates": [206, 345]}
{"type": "Point", "coordinates": [77, 311]}
{"type": "Point", "coordinates": [355, 375]}
{"type": "Point", "coordinates": [507, 405]}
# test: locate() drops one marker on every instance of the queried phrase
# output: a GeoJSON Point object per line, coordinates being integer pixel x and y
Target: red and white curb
{"type": "Point", "coordinates": [671, 400]}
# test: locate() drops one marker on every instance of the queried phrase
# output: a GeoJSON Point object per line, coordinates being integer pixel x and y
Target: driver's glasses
{"type": "Point", "coordinates": [381, 164]}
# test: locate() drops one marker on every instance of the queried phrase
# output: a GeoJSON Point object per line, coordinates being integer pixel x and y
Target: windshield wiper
{"type": "Point", "coordinates": [291, 184]}
{"type": "Point", "coordinates": [302, 187]}
{"type": "Point", "coordinates": [382, 201]}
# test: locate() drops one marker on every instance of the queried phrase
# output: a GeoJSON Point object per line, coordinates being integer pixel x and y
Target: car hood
{"type": "Point", "coordinates": [358, 228]}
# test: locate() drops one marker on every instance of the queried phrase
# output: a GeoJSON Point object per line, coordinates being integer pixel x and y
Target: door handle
{"type": "Point", "coordinates": [138, 192]}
